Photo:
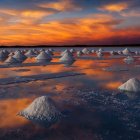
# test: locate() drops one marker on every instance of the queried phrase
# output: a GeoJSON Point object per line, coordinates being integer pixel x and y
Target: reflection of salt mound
{"type": "Point", "coordinates": [67, 57]}
{"type": "Point", "coordinates": [19, 56]}
{"type": "Point", "coordinates": [132, 85]}
{"type": "Point", "coordinates": [30, 53]}
{"type": "Point", "coordinates": [11, 60]}
{"type": "Point", "coordinates": [129, 58]}
{"type": "Point", "coordinates": [43, 56]}
{"type": "Point", "coordinates": [126, 51]}
{"type": "Point", "coordinates": [42, 110]}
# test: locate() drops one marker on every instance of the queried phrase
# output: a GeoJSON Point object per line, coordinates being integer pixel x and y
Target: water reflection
{"type": "Point", "coordinates": [16, 97]}
{"type": "Point", "coordinates": [8, 111]}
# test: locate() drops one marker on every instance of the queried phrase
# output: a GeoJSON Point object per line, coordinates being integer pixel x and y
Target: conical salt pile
{"type": "Point", "coordinates": [49, 52]}
{"type": "Point", "coordinates": [136, 52]}
{"type": "Point", "coordinates": [52, 50]}
{"type": "Point", "coordinates": [72, 50]}
{"type": "Point", "coordinates": [66, 51]}
{"type": "Point", "coordinates": [67, 57]}
{"type": "Point", "coordinates": [43, 56]}
{"type": "Point", "coordinates": [99, 54]}
{"type": "Point", "coordinates": [19, 56]}
{"type": "Point", "coordinates": [112, 52]}
{"type": "Point", "coordinates": [93, 51]}
{"type": "Point", "coordinates": [85, 51]}
{"type": "Point", "coordinates": [100, 50]}
{"type": "Point", "coordinates": [119, 52]}
{"type": "Point", "coordinates": [2, 55]}
{"type": "Point", "coordinates": [11, 54]}
{"type": "Point", "coordinates": [30, 53]}
{"type": "Point", "coordinates": [132, 85]}
{"type": "Point", "coordinates": [79, 53]}
{"type": "Point", "coordinates": [126, 51]}
{"type": "Point", "coordinates": [11, 60]}
{"type": "Point", "coordinates": [42, 110]}
{"type": "Point", "coordinates": [41, 50]}
{"type": "Point", "coordinates": [6, 52]}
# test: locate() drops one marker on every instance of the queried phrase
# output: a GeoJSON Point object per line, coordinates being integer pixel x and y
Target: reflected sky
{"type": "Point", "coordinates": [16, 97]}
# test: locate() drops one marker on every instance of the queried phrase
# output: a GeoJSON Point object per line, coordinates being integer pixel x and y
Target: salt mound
{"type": "Point", "coordinates": [100, 50]}
{"type": "Point", "coordinates": [66, 51]}
{"type": "Point", "coordinates": [6, 52]}
{"type": "Point", "coordinates": [49, 52]}
{"type": "Point", "coordinates": [126, 51]}
{"type": "Point", "coordinates": [119, 52]}
{"type": "Point", "coordinates": [136, 52]}
{"type": "Point", "coordinates": [112, 52]}
{"type": "Point", "coordinates": [132, 85]}
{"type": "Point", "coordinates": [44, 56]}
{"type": "Point", "coordinates": [19, 56]}
{"type": "Point", "coordinates": [11, 60]}
{"type": "Point", "coordinates": [85, 51]}
{"type": "Point", "coordinates": [72, 50]}
{"type": "Point", "coordinates": [2, 54]}
{"type": "Point", "coordinates": [11, 54]}
{"type": "Point", "coordinates": [79, 53]}
{"type": "Point", "coordinates": [67, 57]}
{"type": "Point", "coordinates": [41, 50]}
{"type": "Point", "coordinates": [99, 54]}
{"type": "Point", "coordinates": [93, 51]}
{"type": "Point", "coordinates": [30, 53]}
{"type": "Point", "coordinates": [42, 110]}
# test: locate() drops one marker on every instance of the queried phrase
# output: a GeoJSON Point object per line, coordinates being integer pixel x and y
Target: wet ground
{"type": "Point", "coordinates": [94, 108]}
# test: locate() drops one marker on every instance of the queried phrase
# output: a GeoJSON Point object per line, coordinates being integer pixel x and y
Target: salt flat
{"type": "Point", "coordinates": [21, 79]}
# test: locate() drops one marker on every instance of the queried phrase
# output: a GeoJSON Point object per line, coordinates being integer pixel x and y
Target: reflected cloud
{"type": "Point", "coordinates": [8, 109]}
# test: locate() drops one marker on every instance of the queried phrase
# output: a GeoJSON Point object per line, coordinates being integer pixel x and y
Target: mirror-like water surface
{"type": "Point", "coordinates": [85, 121]}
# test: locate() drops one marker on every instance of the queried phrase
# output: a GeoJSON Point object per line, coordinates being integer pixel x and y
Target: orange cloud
{"type": "Point", "coordinates": [61, 5]}
{"type": "Point", "coordinates": [25, 16]}
{"type": "Point", "coordinates": [94, 29]}
{"type": "Point", "coordinates": [115, 7]}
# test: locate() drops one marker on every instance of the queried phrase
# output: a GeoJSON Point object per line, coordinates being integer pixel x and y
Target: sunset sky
{"type": "Point", "coordinates": [69, 22]}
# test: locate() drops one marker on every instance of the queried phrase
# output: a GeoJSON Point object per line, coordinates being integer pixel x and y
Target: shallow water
{"type": "Point", "coordinates": [84, 121]}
